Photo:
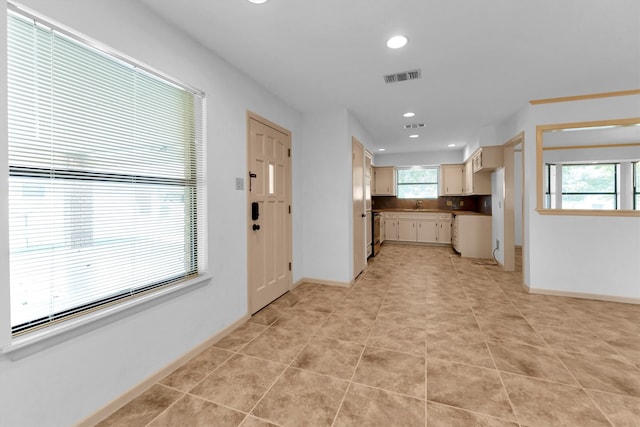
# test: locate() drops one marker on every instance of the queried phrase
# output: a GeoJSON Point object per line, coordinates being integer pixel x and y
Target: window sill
{"type": "Point", "coordinates": [588, 212]}
{"type": "Point", "coordinates": [50, 336]}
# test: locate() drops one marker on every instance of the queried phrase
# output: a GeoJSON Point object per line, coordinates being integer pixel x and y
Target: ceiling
{"type": "Point", "coordinates": [481, 61]}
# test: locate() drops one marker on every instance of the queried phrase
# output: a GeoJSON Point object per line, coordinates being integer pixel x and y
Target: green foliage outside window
{"type": "Point", "coordinates": [417, 183]}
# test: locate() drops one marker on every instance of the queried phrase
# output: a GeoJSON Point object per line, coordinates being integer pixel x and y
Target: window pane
{"type": "Point", "coordinates": [418, 191]}
{"type": "Point", "coordinates": [420, 176]}
{"type": "Point", "coordinates": [599, 178]}
{"type": "Point", "coordinates": [74, 243]}
{"type": "Point", "coordinates": [588, 201]}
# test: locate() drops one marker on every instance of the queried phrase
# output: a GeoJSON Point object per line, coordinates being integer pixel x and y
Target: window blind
{"type": "Point", "coordinates": [106, 177]}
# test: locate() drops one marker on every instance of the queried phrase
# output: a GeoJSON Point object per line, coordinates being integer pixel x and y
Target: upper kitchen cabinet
{"type": "Point", "coordinates": [487, 159]}
{"type": "Point", "coordinates": [368, 167]}
{"type": "Point", "coordinates": [476, 183]}
{"type": "Point", "coordinates": [451, 180]}
{"type": "Point", "coordinates": [384, 181]}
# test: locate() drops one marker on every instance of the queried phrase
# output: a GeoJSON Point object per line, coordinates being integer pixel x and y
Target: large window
{"type": "Point", "coordinates": [105, 179]}
{"type": "Point", "coordinates": [417, 182]}
{"type": "Point", "coordinates": [582, 186]}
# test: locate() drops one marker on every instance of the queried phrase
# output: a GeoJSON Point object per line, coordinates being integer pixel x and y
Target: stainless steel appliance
{"type": "Point", "coordinates": [375, 224]}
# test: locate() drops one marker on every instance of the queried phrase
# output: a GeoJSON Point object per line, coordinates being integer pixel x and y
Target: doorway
{"type": "Point", "coordinates": [269, 211]}
{"type": "Point", "coordinates": [513, 200]}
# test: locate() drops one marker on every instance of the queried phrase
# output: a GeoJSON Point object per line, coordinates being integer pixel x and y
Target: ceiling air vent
{"type": "Point", "coordinates": [415, 126]}
{"type": "Point", "coordinates": [401, 77]}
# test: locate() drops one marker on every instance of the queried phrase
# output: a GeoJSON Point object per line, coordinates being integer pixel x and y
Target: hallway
{"type": "Point", "coordinates": [424, 337]}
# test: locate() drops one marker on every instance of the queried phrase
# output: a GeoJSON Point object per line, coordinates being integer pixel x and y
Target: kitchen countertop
{"type": "Point", "coordinates": [449, 211]}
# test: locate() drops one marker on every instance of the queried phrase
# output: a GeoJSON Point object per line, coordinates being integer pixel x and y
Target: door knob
{"type": "Point", "coordinates": [363, 216]}
{"type": "Point", "coordinates": [256, 227]}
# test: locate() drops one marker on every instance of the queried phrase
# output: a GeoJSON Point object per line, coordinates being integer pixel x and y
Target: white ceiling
{"type": "Point", "coordinates": [481, 61]}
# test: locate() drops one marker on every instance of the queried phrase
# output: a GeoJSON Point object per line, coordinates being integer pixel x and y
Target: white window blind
{"type": "Point", "coordinates": [106, 182]}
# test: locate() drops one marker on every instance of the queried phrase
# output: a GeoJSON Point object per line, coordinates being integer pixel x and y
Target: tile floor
{"type": "Point", "coordinates": [423, 338]}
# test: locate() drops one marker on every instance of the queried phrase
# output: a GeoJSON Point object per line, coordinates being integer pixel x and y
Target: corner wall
{"type": "Point", "coordinates": [580, 254]}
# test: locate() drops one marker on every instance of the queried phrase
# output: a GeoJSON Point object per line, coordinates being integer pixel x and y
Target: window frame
{"type": "Point", "coordinates": [144, 296]}
{"type": "Point", "coordinates": [435, 184]}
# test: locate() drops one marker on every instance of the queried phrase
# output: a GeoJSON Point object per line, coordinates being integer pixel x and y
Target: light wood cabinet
{"type": "Point", "coordinates": [471, 236]}
{"type": "Point", "coordinates": [443, 228]}
{"type": "Point", "coordinates": [427, 230]}
{"type": "Point", "coordinates": [390, 227]}
{"type": "Point", "coordinates": [487, 159]}
{"type": "Point", "coordinates": [407, 229]}
{"type": "Point", "coordinates": [418, 227]}
{"type": "Point", "coordinates": [384, 181]}
{"type": "Point", "coordinates": [476, 183]}
{"type": "Point", "coordinates": [451, 180]}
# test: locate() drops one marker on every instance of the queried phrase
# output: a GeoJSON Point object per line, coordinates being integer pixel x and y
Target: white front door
{"type": "Point", "coordinates": [269, 212]}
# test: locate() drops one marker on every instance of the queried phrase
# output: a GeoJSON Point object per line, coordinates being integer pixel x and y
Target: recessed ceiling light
{"type": "Point", "coordinates": [396, 42]}
{"type": "Point", "coordinates": [414, 136]}
{"type": "Point", "coordinates": [451, 145]}
{"type": "Point", "coordinates": [380, 149]}
{"type": "Point", "coordinates": [409, 114]}
{"type": "Point", "coordinates": [258, 1]}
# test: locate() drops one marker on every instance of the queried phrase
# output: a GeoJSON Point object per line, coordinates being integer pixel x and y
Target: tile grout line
{"type": "Point", "coordinates": [555, 354]}
{"type": "Point", "coordinates": [504, 387]}
{"type": "Point", "coordinates": [355, 369]}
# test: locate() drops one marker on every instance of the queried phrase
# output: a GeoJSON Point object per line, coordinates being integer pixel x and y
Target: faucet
{"type": "Point", "coordinates": [418, 204]}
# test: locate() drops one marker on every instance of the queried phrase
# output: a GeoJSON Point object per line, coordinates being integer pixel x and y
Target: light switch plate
{"type": "Point", "coordinates": [239, 183]}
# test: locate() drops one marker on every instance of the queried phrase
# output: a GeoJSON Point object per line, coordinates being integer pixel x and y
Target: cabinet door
{"type": "Point", "coordinates": [451, 177]}
{"type": "Point", "coordinates": [384, 181]}
{"type": "Point", "coordinates": [407, 230]}
{"type": "Point", "coordinates": [391, 229]}
{"type": "Point", "coordinates": [444, 232]}
{"type": "Point", "coordinates": [468, 177]}
{"type": "Point", "coordinates": [427, 230]}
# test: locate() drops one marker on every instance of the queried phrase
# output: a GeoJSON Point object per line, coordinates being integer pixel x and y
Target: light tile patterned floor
{"type": "Point", "coordinates": [423, 338]}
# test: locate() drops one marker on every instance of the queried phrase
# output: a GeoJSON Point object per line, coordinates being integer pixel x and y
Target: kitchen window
{"type": "Point", "coordinates": [417, 182]}
{"type": "Point", "coordinates": [106, 188]}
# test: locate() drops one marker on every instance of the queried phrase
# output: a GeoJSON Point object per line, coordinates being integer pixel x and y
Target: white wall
{"type": "Point", "coordinates": [326, 196]}
{"type": "Point", "coordinates": [482, 137]}
{"type": "Point", "coordinates": [583, 254]}
{"type": "Point", "coordinates": [425, 158]}
{"type": "Point", "coordinates": [517, 196]}
{"type": "Point", "coordinates": [67, 382]}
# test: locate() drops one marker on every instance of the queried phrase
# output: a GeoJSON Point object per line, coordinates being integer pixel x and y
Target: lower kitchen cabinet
{"type": "Point", "coordinates": [418, 227]}
{"type": "Point", "coordinates": [427, 230]}
{"type": "Point", "coordinates": [407, 229]}
{"type": "Point", "coordinates": [471, 235]}
{"type": "Point", "coordinates": [444, 228]}
{"type": "Point", "coordinates": [390, 227]}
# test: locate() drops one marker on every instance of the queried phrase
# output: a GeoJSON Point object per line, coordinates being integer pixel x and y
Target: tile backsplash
{"type": "Point", "coordinates": [463, 203]}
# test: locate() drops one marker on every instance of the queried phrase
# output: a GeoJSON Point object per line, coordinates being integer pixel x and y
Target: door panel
{"type": "Point", "coordinates": [359, 218]}
{"type": "Point", "coordinates": [269, 241]}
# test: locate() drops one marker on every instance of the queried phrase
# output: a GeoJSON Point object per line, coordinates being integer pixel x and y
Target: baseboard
{"type": "Point", "coordinates": [322, 282]}
{"type": "Point", "coordinates": [129, 395]}
{"type": "Point", "coordinates": [582, 295]}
